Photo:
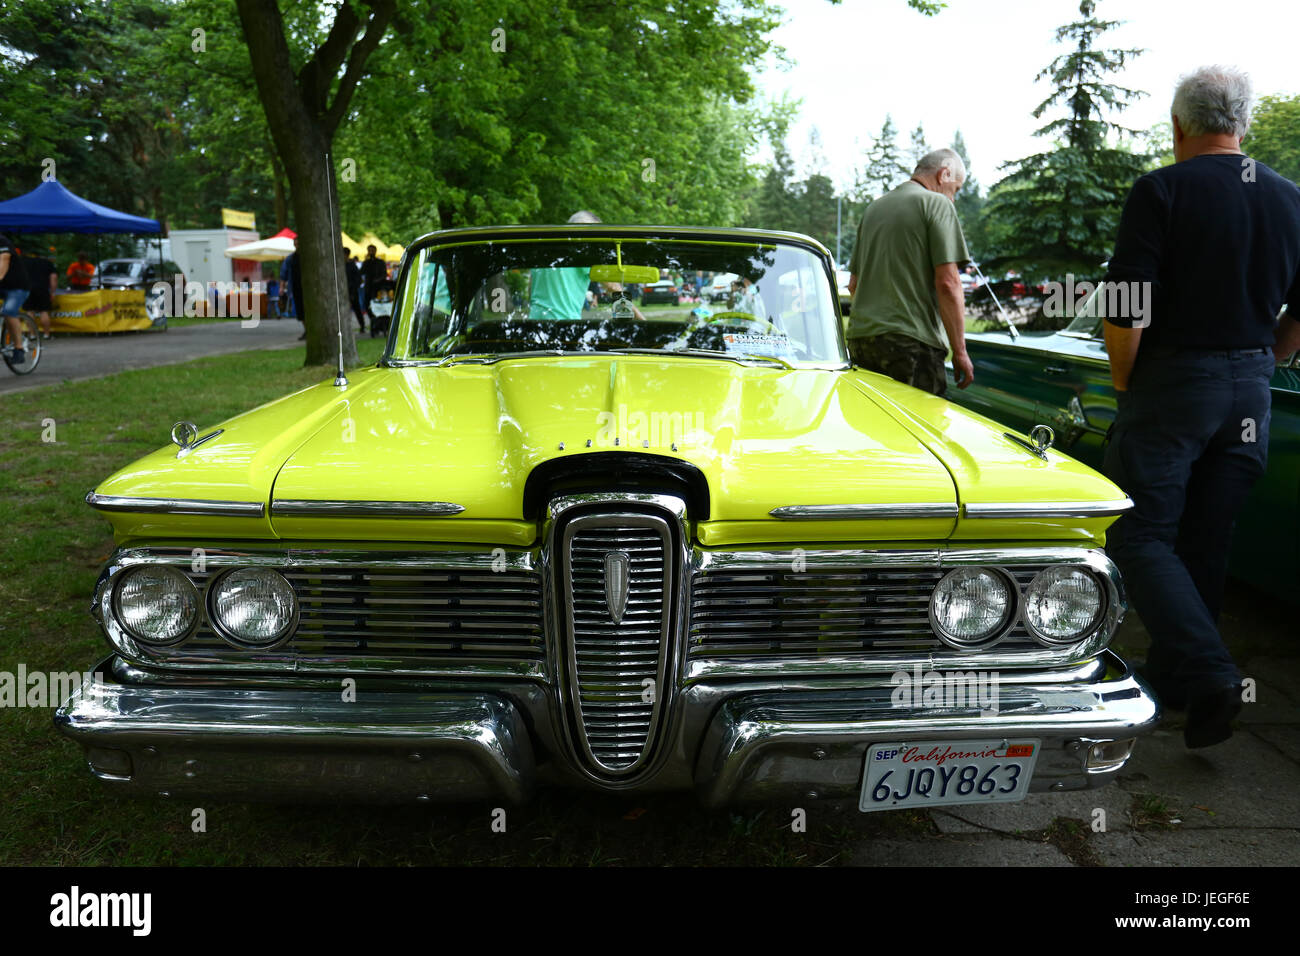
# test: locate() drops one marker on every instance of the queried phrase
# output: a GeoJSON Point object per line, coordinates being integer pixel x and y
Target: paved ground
{"type": "Point", "coordinates": [1235, 804]}
{"type": "Point", "coordinates": [67, 358]}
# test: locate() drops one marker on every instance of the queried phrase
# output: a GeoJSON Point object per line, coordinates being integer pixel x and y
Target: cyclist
{"type": "Point", "coordinates": [13, 290]}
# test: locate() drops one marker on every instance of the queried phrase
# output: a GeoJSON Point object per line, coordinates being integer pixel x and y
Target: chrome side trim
{"type": "Point", "coordinates": [1047, 509]}
{"type": "Point", "coordinates": [876, 512]}
{"type": "Point", "coordinates": [317, 508]}
{"type": "Point", "coordinates": [176, 506]}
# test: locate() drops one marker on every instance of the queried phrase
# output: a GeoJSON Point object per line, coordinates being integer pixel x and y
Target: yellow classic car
{"type": "Point", "coordinates": [569, 540]}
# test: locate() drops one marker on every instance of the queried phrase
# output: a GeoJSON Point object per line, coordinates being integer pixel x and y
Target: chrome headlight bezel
{"type": "Point", "coordinates": [167, 571]}
{"type": "Point", "coordinates": [1010, 615]}
{"type": "Point", "coordinates": [223, 630]}
{"type": "Point", "coordinates": [1097, 618]}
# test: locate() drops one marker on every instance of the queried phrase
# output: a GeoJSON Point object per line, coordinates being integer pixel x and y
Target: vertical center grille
{"type": "Point", "coordinates": [618, 594]}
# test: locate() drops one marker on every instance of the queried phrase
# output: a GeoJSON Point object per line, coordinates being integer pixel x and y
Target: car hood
{"type": "Point", "coordinates": [787, 454]}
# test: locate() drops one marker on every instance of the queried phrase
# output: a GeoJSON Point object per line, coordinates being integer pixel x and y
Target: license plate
{"type": "Point", "coordinates": [937, 773]}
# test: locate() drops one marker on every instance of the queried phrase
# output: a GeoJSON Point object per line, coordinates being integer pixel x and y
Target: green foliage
{"type": "Point", "coordinates": [885, 167]}
{"type": "Point", "coordinates": [1274, 137]}
{"type": "Point", "coordinates": [970, 202]}
{"type": "Point", "coordinates": [918, 147]}
{"type": "Point", "coordinates": [1057, 211]}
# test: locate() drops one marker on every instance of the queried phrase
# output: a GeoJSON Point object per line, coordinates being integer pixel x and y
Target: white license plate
{"type": "Point", "coordinates": [937, 773]}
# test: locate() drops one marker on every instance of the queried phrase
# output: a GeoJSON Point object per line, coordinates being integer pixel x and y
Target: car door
{"type": "Point", "coordinates": [1075, 395]}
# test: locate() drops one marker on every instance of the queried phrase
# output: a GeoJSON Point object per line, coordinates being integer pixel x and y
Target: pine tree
{"type": "Point", "coordinates": [1057, 211]}
{"type": "Point", "coordinates": [918, 147]}
{"type": "Point", "coordinates": [884, 169]}
{"type": "Point", "coordinates": [970, 204]}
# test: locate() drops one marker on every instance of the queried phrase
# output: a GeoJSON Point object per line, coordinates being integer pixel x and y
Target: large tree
{"type": "Point", "coordinates": [1274, 137]}
{"type": "Point", "coordinates": [1057, 211]}
{"type": "Point", "coordinates": [304, 106]}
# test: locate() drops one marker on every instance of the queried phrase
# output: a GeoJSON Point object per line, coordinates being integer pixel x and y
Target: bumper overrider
{"type": "Point", "coordinates": [746, 676]}
{"type": "Point", "coordinates": [733, 744]}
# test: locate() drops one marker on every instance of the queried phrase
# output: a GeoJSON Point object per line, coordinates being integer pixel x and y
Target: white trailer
{"type": "Point", "coordinates": [201, 255]}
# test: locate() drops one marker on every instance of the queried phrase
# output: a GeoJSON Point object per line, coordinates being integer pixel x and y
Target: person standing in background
{"type": "Point", "coordinates": [352, 272]}
{"type": "Point", "coordinates": [1214, 242]}
{"type": "Point", "coordinates": [906, 289]}
{"type": "Point", "coordinates": [43, 278]}
{"type": "Point", "coordinates": [80, 273]}
{"type": "Point", "coordinates": [373, 271]}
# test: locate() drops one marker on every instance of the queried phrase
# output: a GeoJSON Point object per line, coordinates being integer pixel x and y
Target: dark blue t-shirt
{"type": "Point", "coordinates": [1218, 238]}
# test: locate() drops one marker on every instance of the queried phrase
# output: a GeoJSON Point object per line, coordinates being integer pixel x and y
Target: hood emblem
{"type": "Point", "coordinates": [616, 584]}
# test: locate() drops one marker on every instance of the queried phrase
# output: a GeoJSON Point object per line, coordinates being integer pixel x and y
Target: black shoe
{"type": "Point", "coordinates": [301, 337]}
{"type": "Point", "coordinates": [1174, 698]}
{"type": "Point", "coordinates": [1210, 715]}
{"type": "Point", "coordinates": [19, 357]}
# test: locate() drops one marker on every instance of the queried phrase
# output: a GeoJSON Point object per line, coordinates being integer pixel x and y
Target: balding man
{"type": "Point", "coordinates": [1215, 240]}
{"type": "Point", "coordinates": [907, 293]}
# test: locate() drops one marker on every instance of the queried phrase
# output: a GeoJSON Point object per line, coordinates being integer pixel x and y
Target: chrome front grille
{"type": "Point", "coordinates": [401, 618]}
{"type": "Point", "coordinates": [616, 663]}
{"type": "Point", "coordinates": [864, 612]}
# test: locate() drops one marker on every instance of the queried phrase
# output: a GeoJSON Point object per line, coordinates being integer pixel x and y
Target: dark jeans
{"type": "Point", "coordinates": [903, 359]}
{"type": "Point", "coordinates": [1189, 441]}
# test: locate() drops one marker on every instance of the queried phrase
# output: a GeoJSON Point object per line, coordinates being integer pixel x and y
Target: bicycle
{"type": "Point", "coordinates": [30, 344]}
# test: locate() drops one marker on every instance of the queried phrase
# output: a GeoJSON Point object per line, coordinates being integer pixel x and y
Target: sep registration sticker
{"type": "Point", "coordinates": [940, 773]}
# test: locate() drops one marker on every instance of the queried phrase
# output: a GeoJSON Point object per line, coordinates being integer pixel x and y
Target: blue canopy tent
{"type": "Point", "coordinates": [52, 207]}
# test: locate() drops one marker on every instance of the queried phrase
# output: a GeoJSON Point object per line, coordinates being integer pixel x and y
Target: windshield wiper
{"type": "Point", "coordinates": [742, 358]}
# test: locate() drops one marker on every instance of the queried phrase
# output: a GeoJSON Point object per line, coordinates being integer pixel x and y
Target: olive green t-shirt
{"type": "Point", "coordinates": [904, 236]}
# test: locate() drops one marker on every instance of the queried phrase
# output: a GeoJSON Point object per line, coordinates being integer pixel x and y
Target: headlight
{"type": "Point", "coordinates": [1062, 604]}
{"type": "Point", "coordinates": [971, 607]}
{"type": "Point", "coordinates": [156, 604]}
{"type": "Point", "coordinates": [253, 607]}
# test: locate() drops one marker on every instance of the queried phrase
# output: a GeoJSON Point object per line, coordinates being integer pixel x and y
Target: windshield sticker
{"type": "Point", "coordinates": [758, 343]}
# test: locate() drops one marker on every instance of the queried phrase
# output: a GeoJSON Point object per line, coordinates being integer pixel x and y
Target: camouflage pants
{"type": "Point", "coordinates": [904, 359]}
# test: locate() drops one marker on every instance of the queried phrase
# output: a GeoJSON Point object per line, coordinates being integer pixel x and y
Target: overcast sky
{"type": "Point", "coordinates": [973, 66]}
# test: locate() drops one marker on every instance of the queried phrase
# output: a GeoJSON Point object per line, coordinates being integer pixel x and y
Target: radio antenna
{"type": "Point", "coordinates": [340, 378]}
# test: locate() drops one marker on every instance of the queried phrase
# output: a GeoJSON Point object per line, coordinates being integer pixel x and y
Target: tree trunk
{"type": "Point", "coordinates": [281, 193]}
{"type": "Point", "coordinates": [302, 120]}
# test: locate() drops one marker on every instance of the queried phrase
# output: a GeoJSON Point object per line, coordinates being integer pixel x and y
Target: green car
{"type": "Point", "coordinates": [1062, 379]}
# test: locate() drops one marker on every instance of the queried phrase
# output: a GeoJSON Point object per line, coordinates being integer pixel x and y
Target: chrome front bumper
{"type": "Point", "coordinates": [733, 743]}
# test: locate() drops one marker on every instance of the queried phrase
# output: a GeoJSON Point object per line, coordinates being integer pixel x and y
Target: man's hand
{"type": "Point", "coordinates": [962, 369]}
{"type": "Point", "coordinates": [952, 311]}
{"type": "Point", "coordinates": [1287, 339]}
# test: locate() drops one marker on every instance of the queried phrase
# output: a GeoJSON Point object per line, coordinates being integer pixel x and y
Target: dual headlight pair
{"type": "Point", "coordinates": [249, 607]}
{"type": "Point", "coordinates": [973, 607]}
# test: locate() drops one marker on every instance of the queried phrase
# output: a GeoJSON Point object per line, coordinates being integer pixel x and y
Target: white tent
{"type": "Point", "coordinates": [263, 250]}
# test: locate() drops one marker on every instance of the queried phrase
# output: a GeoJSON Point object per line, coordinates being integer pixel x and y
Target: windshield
{"type": "Point", "coordinates": [121, 267]}
{"type": "Point", "coordinates": [507, 297]}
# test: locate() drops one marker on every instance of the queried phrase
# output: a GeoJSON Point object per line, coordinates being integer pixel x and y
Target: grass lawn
{"type": "Point", "coordinates": [53, 812]}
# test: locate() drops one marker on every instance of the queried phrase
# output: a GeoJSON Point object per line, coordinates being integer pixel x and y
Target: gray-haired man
{"type": "Point", "coordinates": [1216, 239]}
{"type": "Point", "coordinates": [906, 288]}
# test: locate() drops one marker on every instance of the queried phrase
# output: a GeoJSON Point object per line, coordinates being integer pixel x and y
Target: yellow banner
{"type": "Point", "coordinates": [240, 220]}
{"type": "Point", "coordinates": [100, 310]}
